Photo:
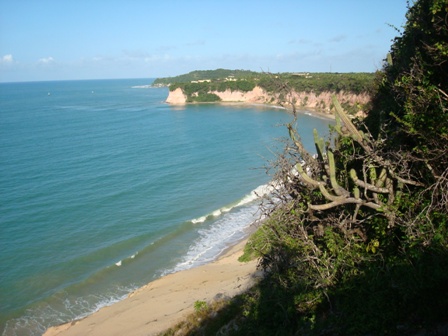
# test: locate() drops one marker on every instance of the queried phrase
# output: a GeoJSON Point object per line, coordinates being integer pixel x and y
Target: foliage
{"type": "Point", "coordinates": [321, 82]}
{"type": "Point", "coordinates": [357, 237]}
{"type": "Point", "coordinates": [208, 318]}
{"type": "Point", "coordinates": [200, 306]}
{"type": "Point", "coordinates": [220, 80]}
{"type": "Point", "coordinates": [220, 86]}
{"type": "Point", "coordinates": [360, 242]}
{"type": "Point", "coordinates": [203, 98]}
{"type": "Point", "coordinates": [411, 104]}
{"type": "Point", "coordinates": [258, 243]}
{"type": "Point", "coordinates": [355, 216]}
{"type": "Point", "coordinates": [202, 91]}
{"type": "Point", "coordinates": [218, 74]}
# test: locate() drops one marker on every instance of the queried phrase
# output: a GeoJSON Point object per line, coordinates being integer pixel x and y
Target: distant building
{"type": "Point", "coordinates": [202, 81]}
{"type": "Point", "coordinates": [302, 74]}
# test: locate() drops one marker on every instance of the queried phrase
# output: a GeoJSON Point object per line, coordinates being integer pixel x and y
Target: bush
{"type": "Point", "coordinates": [357, 237]}
{"type": "Point", "coordinates": [204, 98]}
{"type": "Point", "coordinates": [358, 241]}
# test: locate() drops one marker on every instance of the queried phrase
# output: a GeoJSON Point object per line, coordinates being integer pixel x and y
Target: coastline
{"type": "Point", "coordinates": [319, 103]}
{"type": "Point", "coordinates": [163, 302]}
{"type": "Point", "coordinates": [302, 110]}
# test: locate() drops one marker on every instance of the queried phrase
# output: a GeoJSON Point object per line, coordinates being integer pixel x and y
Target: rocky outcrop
{"type": "Point", "coordinates": [176, 97]}
{"type": "Point", "coordinates": [323, 101]}
{"type": "Point", "coordinates": [257, 95]}
{"type": "Point", "coordinates": [317, 101]}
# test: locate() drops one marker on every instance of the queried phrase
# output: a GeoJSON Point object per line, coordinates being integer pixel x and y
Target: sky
{"type": "Point", "coordinates": [101, 39]}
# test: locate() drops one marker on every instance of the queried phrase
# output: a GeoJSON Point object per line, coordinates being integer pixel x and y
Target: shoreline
{"type": "Point", "coordinates": [302, 110]}
{"type": "Point", "coordinates": [165, 301]}
{"type": "Point", "coordinates": [162, 303]}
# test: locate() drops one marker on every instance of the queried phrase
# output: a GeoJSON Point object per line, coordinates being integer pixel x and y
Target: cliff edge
{"type": "Point", "coordinates": [176, 97]}
{"type": "Point", "coordinates": [317, 101]}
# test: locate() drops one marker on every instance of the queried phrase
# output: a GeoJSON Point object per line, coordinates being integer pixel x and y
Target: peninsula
{"type": "Point", "coordinates": [304, 90]}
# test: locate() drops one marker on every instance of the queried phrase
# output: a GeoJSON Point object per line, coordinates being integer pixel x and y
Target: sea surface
{"type": "Point", "coordinates": [104, 188]}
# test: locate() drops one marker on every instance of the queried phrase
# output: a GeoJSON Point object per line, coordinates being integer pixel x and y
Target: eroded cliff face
{"type": "Point", "coordinates": [321, 102]}
{"type": "Point", "coordinates": [257, 95]}
{"type": "Point", "coordinates": [177, 97]}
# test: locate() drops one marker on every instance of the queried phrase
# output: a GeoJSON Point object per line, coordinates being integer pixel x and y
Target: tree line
{"type": "Point", "coordinates": [198, 84]}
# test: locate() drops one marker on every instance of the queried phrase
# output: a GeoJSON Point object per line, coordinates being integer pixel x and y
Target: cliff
{"type": "Point", "coordinates": [176, 97]}
{"type": "Point", "coordinates": [316, 101]}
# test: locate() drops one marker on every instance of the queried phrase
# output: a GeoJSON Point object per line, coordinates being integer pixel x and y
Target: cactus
{"type": "Point", "coordinates": [319, 142]}
{"type": "Point", "coordinates": [389, 59]}
{"type": "Point", "coordinates": [350, 128]}
{"type": "Point", "coordinates": [330, 189]}
{"type": "Point", "coordinates": [367, 186]}
{"type": "Point", "coordinates": [365, 191]}
{"type": "Point", "coordinates": [377, 189]}
{"type": "Point", "coordinates": [298, 143]}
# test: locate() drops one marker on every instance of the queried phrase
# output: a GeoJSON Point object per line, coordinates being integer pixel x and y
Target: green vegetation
{"type": "Point", "coordinates": [320, 82]}
{"type": "Point", "coordinates": [203, 82]}
{"type": "Point", "coordinates": [202, 97]}
{"type": "Point", "coordinates": [218, 74]}
{"type": "Point", "coordinates": [200, 306]}
{"type": "Point", "coordinates": [357, 237]}
{"type": "Point", "coordinates": [200, 92]}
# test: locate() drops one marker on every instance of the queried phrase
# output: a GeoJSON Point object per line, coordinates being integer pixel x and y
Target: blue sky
{"type": "Point", "coordinates": [94, 39]}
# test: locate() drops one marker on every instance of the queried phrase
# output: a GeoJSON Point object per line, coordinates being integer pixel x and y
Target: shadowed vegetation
{"type": "Point", "coordinates": [356, 240]}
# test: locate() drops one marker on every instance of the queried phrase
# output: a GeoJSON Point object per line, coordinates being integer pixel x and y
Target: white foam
{"type": "Point", "coordinates": [213, 240]}
{"type": "Point", "coordinates": [255, 194]}
{"type": "Point", "coordinates": [216, 213]}
{"type": "Point", "coordinates": [199, 220]}
{"type": "Point", "coordinates": [118, 263]}
{"type": "Point", "coordinates": [141, 87]}
{"type": "Point", "coordinates": [229, 227]}
{"type": "Point", "coordinates": [226, 209]}
{"type": "Point", "coordinates": [36, 320]}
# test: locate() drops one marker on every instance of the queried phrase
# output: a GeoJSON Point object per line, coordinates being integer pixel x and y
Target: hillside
{"type": "Point", "coordinates": [198, 75]}
{"type": "Point", "coordinates": [356, 238]}
{"type": "Point", "coordinates": [307, 90]}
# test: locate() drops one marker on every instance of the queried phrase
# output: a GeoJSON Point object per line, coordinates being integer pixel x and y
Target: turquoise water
{"type": "Point", "coordinates": [104, 187]}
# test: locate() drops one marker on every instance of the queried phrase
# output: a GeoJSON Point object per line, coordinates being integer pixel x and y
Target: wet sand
{"type": "Point", "coordinates": [166, 301]}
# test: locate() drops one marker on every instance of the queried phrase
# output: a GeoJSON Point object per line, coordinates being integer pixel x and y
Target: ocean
{"type": "Point", "coordinates": [104, 188]}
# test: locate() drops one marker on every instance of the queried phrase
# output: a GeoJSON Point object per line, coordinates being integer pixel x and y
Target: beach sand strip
{"type": "Point", "coordinates": [166, 301]}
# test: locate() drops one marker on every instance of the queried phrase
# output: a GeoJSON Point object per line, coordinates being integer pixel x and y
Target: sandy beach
{"type": "Point", "coordinates": [165, 301]}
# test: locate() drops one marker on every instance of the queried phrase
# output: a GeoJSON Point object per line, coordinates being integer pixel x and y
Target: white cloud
{"type": "Point", "coordinates": [46, 60]}
{"type": "Point", "coordinates": [7, 59]}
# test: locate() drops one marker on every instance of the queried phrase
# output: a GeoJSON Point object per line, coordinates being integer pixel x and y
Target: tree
{"type": "Point", "coordinates": [411, 104]}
